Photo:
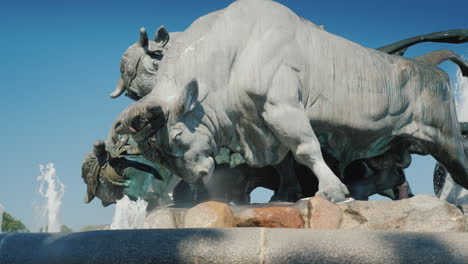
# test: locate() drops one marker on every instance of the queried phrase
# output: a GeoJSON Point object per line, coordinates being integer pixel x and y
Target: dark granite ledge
{"type": "Point", "coordinates": [235, 245]}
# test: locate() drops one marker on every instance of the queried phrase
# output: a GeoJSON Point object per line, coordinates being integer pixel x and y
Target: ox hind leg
{"type": "Point", "coordinates": [289, 189]}
{"type": "Point", "coordinates": [448, 150]}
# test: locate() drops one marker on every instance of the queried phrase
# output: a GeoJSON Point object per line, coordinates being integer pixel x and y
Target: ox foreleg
{"type": "Point", "coordinates": [284, 114]}
{"type": "Point", "coordinates": [291, 126]}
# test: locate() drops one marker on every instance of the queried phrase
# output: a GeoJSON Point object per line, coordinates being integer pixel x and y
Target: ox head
{"type": "Point", "coordinates": [140, 64]}
{"type": "Point", "coordinates": [173, 133]}
{"type": "Point", "coordinates": [103, 182]}
{"type": "Point", "coordinates": [98, 186]}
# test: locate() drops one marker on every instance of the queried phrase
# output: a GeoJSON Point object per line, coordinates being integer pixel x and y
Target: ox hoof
{"type": "Point", "coordinates": [334, 193]}
{"type": "Point", "coordinates": [291, 198]}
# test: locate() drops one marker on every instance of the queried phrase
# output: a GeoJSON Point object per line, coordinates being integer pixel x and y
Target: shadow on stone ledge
{"type": "Point", "coordinates": [351, 246]}
{"type": "Point", "coordinates": [428, 245]}
{"type": "Point", "coordinates": [236, 245]}
{"type": "Point", "coordinates": [115, 246]}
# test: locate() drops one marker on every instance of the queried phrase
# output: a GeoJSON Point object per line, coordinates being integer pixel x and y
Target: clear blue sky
{"type": "Point", "coordinates": [60, 60]}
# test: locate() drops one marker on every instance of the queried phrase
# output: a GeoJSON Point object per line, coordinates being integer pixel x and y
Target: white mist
{"type": "Point", "coordinates": [129, 214]}
{"type": "Point", "coordinates": [52, 190]}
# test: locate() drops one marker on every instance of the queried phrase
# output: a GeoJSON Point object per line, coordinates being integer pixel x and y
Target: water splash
{"type": "Point", "coordinates": [2, 209]}
{"type": "Point", "coordinates": [52, 191]}
{"type": "Point", "coordinates": [461, 88]}
{"type": "Point", "coordinates": [129, 214]}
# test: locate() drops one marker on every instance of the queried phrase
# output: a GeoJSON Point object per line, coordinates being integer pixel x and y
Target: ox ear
{"type": "Point", "coordinates": [162, 36]}
{"type": "Point", "coordinates": [187, 100]}
{"type": "Point", "coordinates": [155, 110]}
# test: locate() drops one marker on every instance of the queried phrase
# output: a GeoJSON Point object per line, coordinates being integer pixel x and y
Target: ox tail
{"type": "Point", "coordinates": [437, 57]}
{"type": "Point", "coordinates": [455, 36]}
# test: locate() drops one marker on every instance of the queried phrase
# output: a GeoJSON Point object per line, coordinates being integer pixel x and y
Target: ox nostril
{"type": "Point", "coordinates": [117, 124]}
{"type": "Point", "coordinates": [202, 173]}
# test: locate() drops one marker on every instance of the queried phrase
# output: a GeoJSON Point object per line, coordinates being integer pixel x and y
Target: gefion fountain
{"type": "Point", "coordinates": [255, 96]}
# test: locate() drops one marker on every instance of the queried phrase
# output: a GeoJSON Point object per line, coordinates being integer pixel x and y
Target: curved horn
{"type": "Point", "coordinates": [455, 36]}
{"type": "Point", "coordinates": [119, 89]}
{"type": "Point", "coordinates": [89, 196]}
{"type": "Point", "coordinates": [143, 42]}
{"type": "Point", "coordinates": [99, 148]}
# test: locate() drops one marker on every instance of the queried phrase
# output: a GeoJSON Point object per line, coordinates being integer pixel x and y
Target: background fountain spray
{"type": "Point", "coordinates": [52, 191]}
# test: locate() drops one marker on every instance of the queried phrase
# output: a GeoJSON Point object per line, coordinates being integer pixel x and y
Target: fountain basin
{"type": "Point", "coordinates": [235, 245]}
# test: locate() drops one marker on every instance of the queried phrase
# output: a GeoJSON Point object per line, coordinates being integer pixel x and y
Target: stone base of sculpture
{"type": "Point", "coordinates": [302, 232]}
{"type": "Point", "coordinates": [422, 213]}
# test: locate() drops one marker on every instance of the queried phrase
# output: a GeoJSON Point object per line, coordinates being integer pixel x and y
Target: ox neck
{"type": "Point", "coordinates": [220, 126]}
{"type": "Point", "coordinates": [210, 121]}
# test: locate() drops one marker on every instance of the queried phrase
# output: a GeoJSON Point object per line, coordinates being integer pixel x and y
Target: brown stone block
{"type": "Point", "coordinates": [283, 217]}
{"type": "Point", "coordinates": [324, 214]}
{"type": "Point", "coordinates": [209, 215]}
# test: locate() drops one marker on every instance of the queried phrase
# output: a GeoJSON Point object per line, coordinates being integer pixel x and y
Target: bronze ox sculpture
{"type": "Point", "coordinates": [174, 127]}
{"type": "Point", "coordinates": [290, 89]}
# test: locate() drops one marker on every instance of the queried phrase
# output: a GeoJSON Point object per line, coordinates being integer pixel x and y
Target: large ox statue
{"type": "Point", "coordinates": [261, 81]}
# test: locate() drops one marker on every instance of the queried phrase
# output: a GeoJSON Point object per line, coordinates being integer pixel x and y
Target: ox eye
{"type": "Point", "coordinates": [176, 138]}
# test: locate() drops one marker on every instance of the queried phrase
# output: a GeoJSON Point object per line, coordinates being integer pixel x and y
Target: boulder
{"type": "Point", "coordinates": [324, 214]}
{"type": "Point", "coordinates": [303, 206]}
{"type": "Point", "coordinates": [425, 213]}
{"type": "Point", "coordinates": [283, 217]}
{"type": "Point", "coordinates": [420, 213]}
{"type": "Point", "coordinates": [209, 215]}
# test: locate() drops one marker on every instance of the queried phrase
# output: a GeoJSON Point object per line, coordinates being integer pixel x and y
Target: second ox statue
{"type": "Point", "coordinates": [261, 81]}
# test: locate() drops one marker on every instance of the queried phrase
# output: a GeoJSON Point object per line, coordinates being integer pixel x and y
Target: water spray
{"type": "Point", "coordinates": [129, 214]}
{"type": "Point", "coordinates": [52, 190]}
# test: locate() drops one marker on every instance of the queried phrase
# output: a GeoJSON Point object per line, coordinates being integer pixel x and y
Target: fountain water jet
{"type": "Point", "coordinates": [129, 214]}
{"type": "Point", "coordinates": [52, 190]}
